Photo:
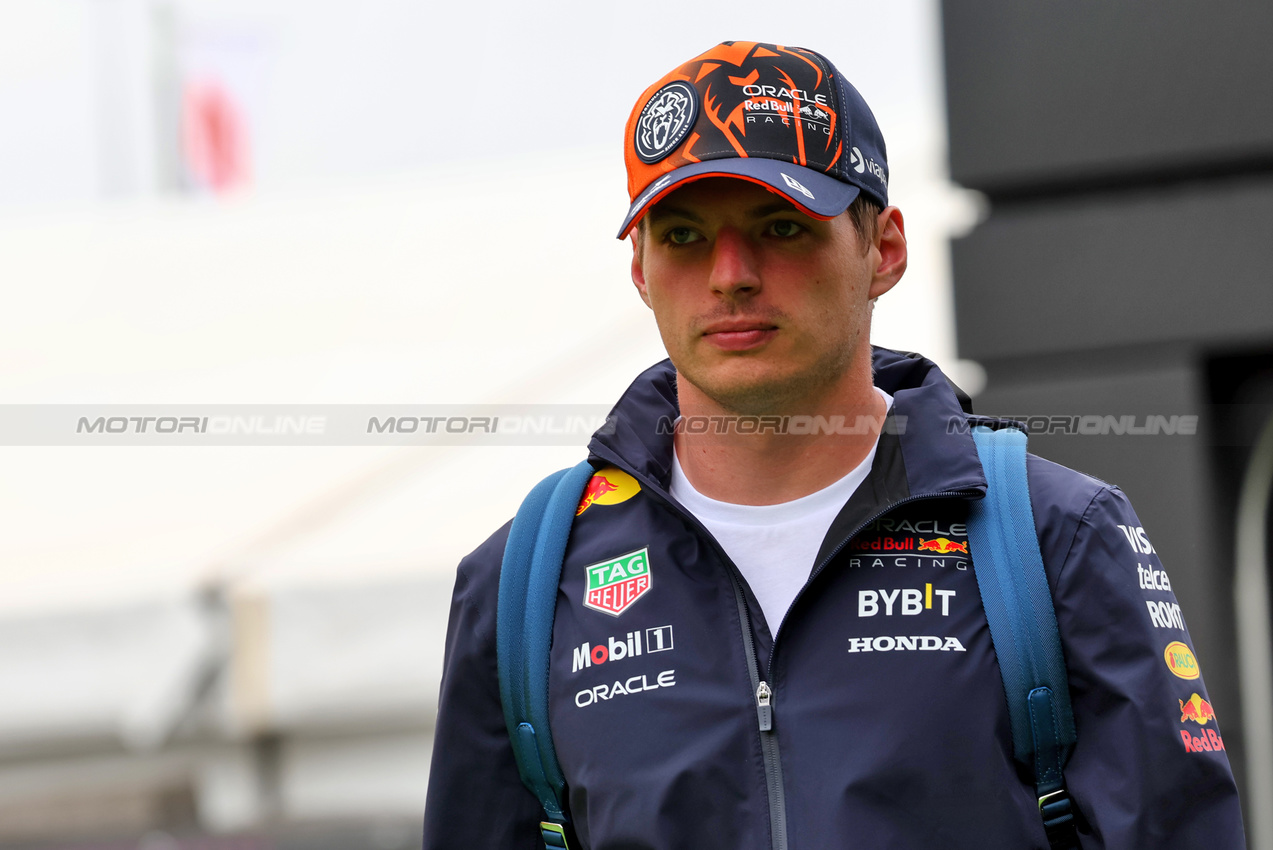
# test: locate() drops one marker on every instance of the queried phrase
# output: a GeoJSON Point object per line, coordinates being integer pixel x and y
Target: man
{"type": "Point", "coordinates": [768, 631]}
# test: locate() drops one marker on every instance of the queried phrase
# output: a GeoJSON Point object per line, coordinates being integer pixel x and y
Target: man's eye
{"type": "Point", "coordinates": [682, 236]}
{"type": "Point", "coordinates": [784, 228]}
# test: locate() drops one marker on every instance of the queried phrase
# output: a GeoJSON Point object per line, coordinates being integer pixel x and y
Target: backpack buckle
{"type": "Point", "coordinates": [1057, 812]}
{"type": "Point", "coordinates": [554, 835]}
{"type": "Point", "coordinates": [1053, 798]}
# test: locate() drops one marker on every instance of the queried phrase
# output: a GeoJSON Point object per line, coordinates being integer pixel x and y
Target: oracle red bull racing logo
{"type": "Point", "coordinates": [608, 486]}
{"type": "Point", "coordinates": [612, 586]}
{"type": "Point", "coordinates": [941, 545]}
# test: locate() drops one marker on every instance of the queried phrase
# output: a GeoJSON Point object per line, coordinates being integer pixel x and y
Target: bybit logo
{"type": "Point", "coordinates": [913, 601]}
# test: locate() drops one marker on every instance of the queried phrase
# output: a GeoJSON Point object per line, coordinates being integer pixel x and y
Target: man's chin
{"type": "Point", "coordinates": [752, 393]}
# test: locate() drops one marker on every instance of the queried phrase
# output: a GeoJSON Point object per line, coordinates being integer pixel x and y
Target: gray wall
{"type": "Point", "coordinates": [1126, 150]}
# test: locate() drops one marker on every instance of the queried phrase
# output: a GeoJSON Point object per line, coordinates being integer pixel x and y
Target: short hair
{"type": "Point", "coordinates": [865, 215]}
{"type": "Point", "coordinates": [863, 212]}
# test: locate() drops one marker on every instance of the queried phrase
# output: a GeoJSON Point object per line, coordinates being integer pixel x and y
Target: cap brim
{"type": "Point", "coordinates": [812, 192]}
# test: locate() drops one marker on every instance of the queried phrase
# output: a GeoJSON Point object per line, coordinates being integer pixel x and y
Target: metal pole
{"type": "Point", "coordinates": [1255, 644]}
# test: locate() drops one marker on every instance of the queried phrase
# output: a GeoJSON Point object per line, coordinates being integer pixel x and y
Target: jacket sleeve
{"type": "Point", "coordinates": [1149, 769]}
{"type": "Point", "coordinates": [475, 797]}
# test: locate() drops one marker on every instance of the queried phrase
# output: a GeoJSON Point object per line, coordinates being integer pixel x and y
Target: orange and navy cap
{"type": "Point", "coordinates": [782, 117]}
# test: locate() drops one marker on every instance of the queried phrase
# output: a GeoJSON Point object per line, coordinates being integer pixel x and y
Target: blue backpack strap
{"type": "Point", "coordinates": [1018, 604]}
{"type": "Point", "coordinates": [528, 581]}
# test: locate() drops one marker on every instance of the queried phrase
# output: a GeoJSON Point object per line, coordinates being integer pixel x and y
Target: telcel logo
{"type": "Point", "coordinates": [1152, 579]}
{"type": "Point", "coordinates": [658, 639]}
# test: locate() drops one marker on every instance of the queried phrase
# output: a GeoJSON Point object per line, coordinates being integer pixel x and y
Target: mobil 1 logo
{"type": "Point", "coordinates": [616, 648]}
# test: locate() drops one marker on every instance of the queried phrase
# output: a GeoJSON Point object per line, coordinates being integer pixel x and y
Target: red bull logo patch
{"type": "Point", "coordinates": [1207, 742]}
{"type": "Point", "coordinates": [1196, 709]}
{"type": "Point", "coordinates": [612, 586]}
{"type": "Point", "coordinates": [1181, 660]}
{"type": "Point", "coordinates": [609, 486]}
{"type": "Point", "coordinates": [941, 545]}
{"type": "Point", "coordinates": [883, 544]}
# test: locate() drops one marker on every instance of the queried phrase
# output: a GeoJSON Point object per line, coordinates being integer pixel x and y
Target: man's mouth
{"type": "Point", "coordinates": [739, 335]}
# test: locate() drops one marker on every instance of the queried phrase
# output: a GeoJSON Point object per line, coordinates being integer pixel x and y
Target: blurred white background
{"type": "Point", "coordinates": [277, 202]}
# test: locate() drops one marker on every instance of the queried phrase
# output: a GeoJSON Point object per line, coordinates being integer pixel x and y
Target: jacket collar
{"type": "Point", "coordinates": [933, 451]}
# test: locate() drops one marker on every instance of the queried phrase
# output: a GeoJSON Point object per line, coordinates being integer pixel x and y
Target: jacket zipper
{"type": "Point", "coordinates": [763, 696]}
{"type": "Point", "coordinates": [764, 713]}
{"type": "Point", "coordinates": [763, 692]}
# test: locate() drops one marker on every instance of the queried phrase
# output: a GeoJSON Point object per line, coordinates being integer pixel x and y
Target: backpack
{"type": "Point", "coordinates": [1014, 593]}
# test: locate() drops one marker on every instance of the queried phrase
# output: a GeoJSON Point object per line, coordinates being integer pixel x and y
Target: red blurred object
{"type": "Point", "coordinates": [214, 137]}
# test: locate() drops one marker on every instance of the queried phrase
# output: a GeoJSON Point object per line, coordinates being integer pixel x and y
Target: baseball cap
{"type": "Point", "coordinates": [783, 117]}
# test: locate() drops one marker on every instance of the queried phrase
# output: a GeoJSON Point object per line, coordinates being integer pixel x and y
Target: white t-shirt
{"type": "Point", "coordinates": [774, 546]}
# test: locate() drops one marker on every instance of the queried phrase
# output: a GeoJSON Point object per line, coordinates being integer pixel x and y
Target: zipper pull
{"type": "Point", "coordinates": [763, 709]}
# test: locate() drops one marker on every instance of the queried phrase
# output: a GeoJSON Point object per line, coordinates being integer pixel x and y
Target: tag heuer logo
{"type": "Point", "coordinates": [615, 584]}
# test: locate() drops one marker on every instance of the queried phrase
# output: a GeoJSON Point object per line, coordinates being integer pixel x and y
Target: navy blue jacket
{"type": "Point", "coordinates": [888, 726]}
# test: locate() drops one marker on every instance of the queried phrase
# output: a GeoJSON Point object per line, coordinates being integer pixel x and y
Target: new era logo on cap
{"type": "Point", "coordinates": [795, 184]}
{"type": "Point", "coordinates": [777, 115]}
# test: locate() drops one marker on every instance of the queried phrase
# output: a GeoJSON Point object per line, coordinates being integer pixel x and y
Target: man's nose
{"type": "Point", "coordinates": [734, 264]}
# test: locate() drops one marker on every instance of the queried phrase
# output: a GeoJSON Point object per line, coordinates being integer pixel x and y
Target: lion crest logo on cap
{"type": "Point", "coordinates": [665, 121]}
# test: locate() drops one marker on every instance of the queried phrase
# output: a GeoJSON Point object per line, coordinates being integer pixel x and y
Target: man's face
{"type": "Point", "coordinates": [760, 307]}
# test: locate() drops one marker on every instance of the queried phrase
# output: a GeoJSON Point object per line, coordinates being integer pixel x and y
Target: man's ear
{"type": "Point", "coordinates": [890, 241]}
{"type": "Point", "coordinates": [638, 272]}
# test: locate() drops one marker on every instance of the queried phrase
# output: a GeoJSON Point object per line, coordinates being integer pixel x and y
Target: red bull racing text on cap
{"type": "Point", "coordinates": [783, 117]}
